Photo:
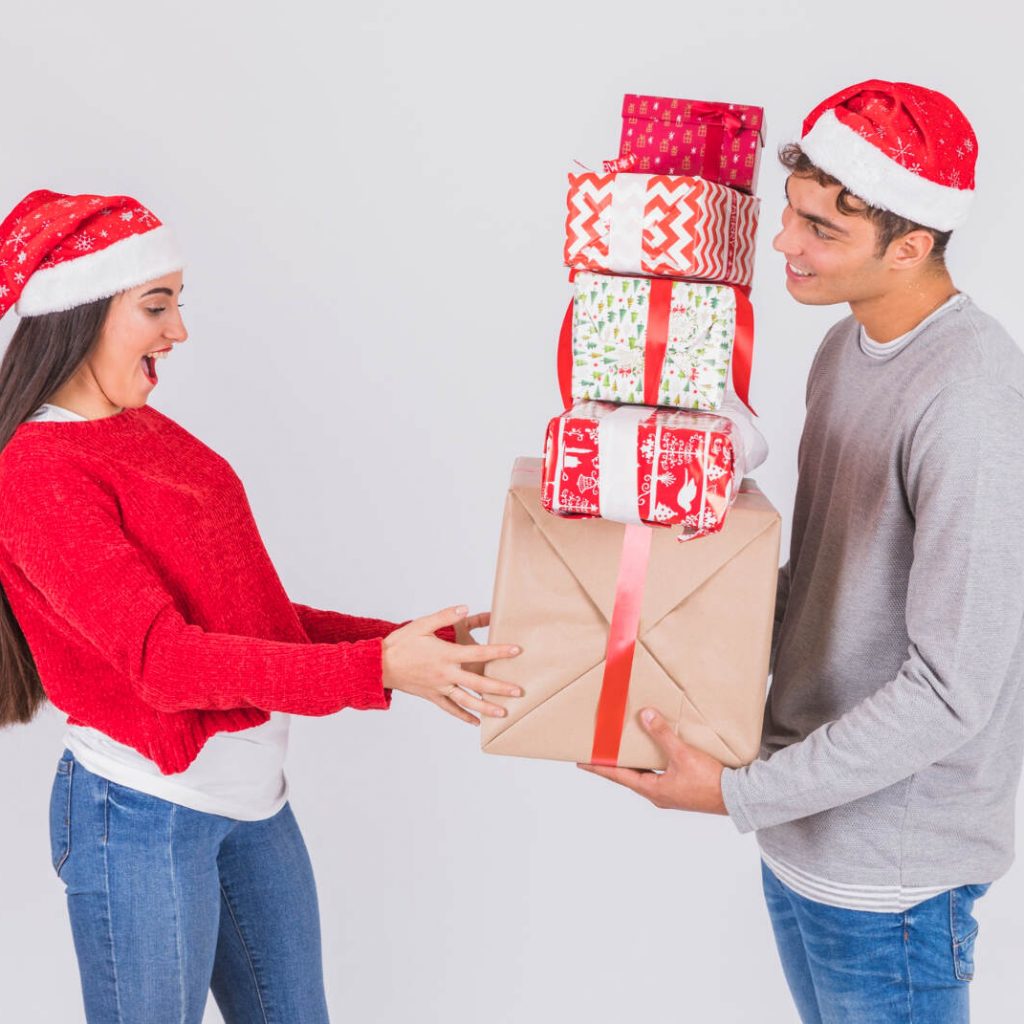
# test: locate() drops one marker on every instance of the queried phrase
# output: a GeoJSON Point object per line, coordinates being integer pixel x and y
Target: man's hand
{"type": "Point", "coordinates": [691, 782]}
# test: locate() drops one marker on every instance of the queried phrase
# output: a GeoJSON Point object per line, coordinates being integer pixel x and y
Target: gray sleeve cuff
{"type": "Point", "coordinates": [732, 782]}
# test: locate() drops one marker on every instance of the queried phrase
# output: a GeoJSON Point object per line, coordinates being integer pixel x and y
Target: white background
{"type": "Point", "coordinates": [372, 200]}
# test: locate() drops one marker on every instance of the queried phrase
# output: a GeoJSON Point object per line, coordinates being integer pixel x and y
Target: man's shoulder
{"type": "Point", "coordinates": [840, 330]}
{"type": "Point", "coordinates": [993, 342]}
{"type": "Point", "coordinates": [839, 335]}
{"type": "Point", "coordinates": [970, 346]}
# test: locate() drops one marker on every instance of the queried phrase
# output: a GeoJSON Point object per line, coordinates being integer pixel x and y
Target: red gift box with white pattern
{"type": "Point", "coordinates": [717, 141]}
{"type": "Point", "coordinates": [684, 467]}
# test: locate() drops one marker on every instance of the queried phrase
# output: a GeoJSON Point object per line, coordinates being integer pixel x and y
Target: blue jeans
{"type": "Point", "coordinates": [167, 904]}
{"type": "Point", "coordinates": [846, 966]}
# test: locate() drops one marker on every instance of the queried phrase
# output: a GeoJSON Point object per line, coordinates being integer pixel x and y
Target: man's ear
{"type": "Point", "coordinates": [911, 250]}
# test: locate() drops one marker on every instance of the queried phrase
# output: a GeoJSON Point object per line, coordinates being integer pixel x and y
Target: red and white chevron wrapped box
{"type": "Point", "coordinates": [642, 464]}
{"type": "Point", "coordinates": [718, 141]}
{"type": "Point", "coordinates": [660, 225]}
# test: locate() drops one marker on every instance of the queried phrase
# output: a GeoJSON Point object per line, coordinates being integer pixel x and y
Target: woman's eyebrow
{"type": "Point", "coordinates": [159, 291]}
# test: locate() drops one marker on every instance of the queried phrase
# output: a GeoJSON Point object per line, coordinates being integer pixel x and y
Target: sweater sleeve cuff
{"type": "Point", "coordinates": [364, 668]}
{"type": "Point", "coordinates": [446, 633]}
{"type": "Point", "coordinates": [732, 797]}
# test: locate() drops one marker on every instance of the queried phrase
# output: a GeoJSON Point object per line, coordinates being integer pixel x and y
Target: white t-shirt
{"type": "Point", "coordinates": [237, 774]}
{"type": "Point", "coordinates": [887, 349]}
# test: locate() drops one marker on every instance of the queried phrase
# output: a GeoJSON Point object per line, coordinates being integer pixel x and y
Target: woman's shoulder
{"type": "Point", "coordinates": [136, 441]}
{"type": "Point", "coordinates": [35, 454]}
{"type": "Point", "coordinates": [52, 437]}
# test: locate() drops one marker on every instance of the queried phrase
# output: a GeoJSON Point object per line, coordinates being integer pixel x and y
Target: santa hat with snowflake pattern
{"type": "Point", "coordinates": [59, 251]}
{"type": "Point", "coordinates": [899, 147]}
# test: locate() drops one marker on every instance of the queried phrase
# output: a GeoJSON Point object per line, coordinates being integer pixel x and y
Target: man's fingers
{"type": "Point", "coordinates": [446, 617]}
{"type": "Point", "coordinates": [467, 654]}
{"type": "Point", "coordinates": [628, 777]}
{"type": "Point", "coordinates": [660, 731]}
{"type": "Point", "coordinates": [637, 781]}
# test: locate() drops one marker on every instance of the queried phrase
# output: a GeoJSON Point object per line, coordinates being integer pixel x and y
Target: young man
{"type": "Point", "coordinates": [884, 797]}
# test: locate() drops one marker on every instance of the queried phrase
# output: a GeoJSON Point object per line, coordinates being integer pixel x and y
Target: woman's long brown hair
{"type": "Point", "coordinates": [43, 354]}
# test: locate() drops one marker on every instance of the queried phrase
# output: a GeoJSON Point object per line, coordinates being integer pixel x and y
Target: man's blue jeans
{"type": "Point", "coordinates": [167, 903]}
{"type": "Point", "coordinates": [862, 967]}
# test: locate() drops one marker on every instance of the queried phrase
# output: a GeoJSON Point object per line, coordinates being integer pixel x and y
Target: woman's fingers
{"type": "Point", "coordinates": [473, 653]}
{"type": "Point", "coordinates": [446, 617]}
{"type": "Point", "coordinates": [449, 617]}
{"type": "Point", "coordinates": [481, 684]}
{"type": "Point", "coordinates": [470, 701]}
{"type": "Point", "coordinates": [447, 704]}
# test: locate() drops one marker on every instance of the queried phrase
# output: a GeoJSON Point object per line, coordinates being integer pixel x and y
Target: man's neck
{"type": "Point", "coordinates": [890, 316]}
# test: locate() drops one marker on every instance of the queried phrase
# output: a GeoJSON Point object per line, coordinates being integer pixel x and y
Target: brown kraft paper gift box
{"type": "Point", "coordinates": [704, 639]}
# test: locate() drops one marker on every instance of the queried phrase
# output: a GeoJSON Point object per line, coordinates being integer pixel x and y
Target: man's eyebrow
{"type": "Point", "coordinates": [813, 218]}
{"type": "Point", "coordinates": [822, 222]}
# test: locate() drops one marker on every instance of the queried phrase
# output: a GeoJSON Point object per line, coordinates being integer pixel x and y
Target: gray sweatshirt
{"type": "Point", "coordinates": [894, 727]}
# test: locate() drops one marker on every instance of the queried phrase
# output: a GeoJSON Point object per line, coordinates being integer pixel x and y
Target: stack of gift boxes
{"type": "Point", "coordinates": [654, 360]}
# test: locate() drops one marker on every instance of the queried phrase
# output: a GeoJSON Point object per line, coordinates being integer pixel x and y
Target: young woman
{"type": "Point", "coordinates": [139, 598]}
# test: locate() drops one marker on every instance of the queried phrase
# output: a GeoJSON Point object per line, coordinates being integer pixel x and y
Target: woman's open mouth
{"type": "Point", "coordinates": [149, 364]}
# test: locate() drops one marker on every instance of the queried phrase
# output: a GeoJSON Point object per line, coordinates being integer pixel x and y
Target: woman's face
{"type": "Point", "coordinates": [142, 326]}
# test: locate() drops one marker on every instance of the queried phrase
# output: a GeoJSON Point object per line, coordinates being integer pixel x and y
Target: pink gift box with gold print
{"type": "Point", "coordinates": [717, 141]}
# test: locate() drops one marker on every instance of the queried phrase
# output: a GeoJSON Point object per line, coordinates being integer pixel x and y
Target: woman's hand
{"type": "Point", "coordinates": [417, 662]}
{"type": "Point", "coordinates": [464, 635]}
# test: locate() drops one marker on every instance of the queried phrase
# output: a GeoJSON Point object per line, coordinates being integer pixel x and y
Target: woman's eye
{"type": "Point", "coordinates": [155, 310]}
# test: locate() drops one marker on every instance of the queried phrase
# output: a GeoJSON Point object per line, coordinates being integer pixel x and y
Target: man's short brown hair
{"type": "Point", "coordinates": [889, 226]}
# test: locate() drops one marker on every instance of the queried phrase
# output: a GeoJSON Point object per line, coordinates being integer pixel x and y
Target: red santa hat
{"type": "Point", "coordinates": [59, 251]}
{"type": "Point", "coordinates": [897, 146]}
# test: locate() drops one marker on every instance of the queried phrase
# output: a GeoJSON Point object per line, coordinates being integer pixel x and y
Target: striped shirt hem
{"type": "Point", "coordinates": [878, 899]}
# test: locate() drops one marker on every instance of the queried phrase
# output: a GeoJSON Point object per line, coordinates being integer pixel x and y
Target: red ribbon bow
{"type": "Point", "coordinates": [717, 115]}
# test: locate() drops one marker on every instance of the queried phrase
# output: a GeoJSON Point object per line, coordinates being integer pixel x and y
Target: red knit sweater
{"type": "Point", "coordinates": [132, 562]}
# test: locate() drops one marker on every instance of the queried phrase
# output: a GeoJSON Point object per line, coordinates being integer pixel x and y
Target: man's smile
{"type": "Point", "coordinates": [794, 271]}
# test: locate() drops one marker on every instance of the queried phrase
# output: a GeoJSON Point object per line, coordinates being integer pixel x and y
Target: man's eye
{"type": "Point", "coordinates": [819, 233]}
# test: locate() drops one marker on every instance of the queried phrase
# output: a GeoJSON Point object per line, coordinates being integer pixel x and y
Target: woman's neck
{"type": "Point", "coordinates": [88, 404]}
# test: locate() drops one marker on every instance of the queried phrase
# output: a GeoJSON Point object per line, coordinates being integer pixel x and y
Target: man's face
{"type": "Point", "coordinates": [830, 256]}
